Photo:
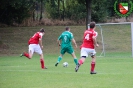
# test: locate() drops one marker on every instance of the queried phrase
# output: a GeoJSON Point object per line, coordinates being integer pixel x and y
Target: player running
{"type": "Point", "coordinates": [88, 47]}
{"type": "Point", "coordinates": [64, 41]}
{"type": "Point", "coordinates": [35, 45]}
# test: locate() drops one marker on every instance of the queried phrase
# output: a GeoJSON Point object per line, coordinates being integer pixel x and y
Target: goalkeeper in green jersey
{"type": "Point", "coordinates": [64, 41]}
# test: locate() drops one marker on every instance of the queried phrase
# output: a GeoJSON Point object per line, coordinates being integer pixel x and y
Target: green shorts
{"type": "Point", "coordinates": [66, 49]}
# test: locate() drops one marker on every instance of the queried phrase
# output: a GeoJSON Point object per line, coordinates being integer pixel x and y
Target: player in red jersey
{"type": "Point", "coordinates": [88, 47]}
{"type": "Point", "coordinates": [35, 45]}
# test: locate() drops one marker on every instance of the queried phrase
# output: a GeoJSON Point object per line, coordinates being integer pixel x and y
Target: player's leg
{"type": "Point", "coordinates": [84, 55]}
{"type": "Point", "coordinates": [75, 58]}
{"type": "Point", "coordinates": [80, 62]}
{"type": "Point", "coordinates": [38, 50]}
{"type": "Point", "coordinates": [62, 52]}
{"type": "Point", "coordinates": [30, 54]}
{"type": "Point", "coordinates": [93, 62]}
{"type": "Point", "coordinates": [59, 59]}
{"type": "Point", "coordinates": [42, 62]}
{"type": "Point", "coordinates": [71, 51]}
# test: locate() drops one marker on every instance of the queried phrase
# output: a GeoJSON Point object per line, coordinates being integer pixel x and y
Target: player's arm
{"type": "Point", "coordinates": [58, 41]}
{"type": "Point", "coordinates": [40, 43]}
{"type": "Point", "coordinates": [95, 41]}
{"type": "Point", "coordinates": [73, 40]}
{"type": "Point", "coordinates": [82, 41]}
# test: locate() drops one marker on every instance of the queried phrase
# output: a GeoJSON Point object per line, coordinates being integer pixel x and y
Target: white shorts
{"type": "Point", "coordinates": [35, 48]}
{"type": "Point", "coordinates": [87, 51]}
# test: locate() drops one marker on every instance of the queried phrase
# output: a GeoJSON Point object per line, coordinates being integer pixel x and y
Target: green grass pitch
{"type": "Point", "coordinates": [19, 72]}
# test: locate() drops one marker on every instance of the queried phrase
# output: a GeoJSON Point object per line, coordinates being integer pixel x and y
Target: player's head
{"type": "Point", "coordinates": [92, 25]}
{"type": "Point", "coordinates": [67, 29]}
{"type": "Point", "coordinates": [42, 31]}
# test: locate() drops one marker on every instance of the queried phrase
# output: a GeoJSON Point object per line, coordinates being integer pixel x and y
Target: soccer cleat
{"type": "Point", "coordinates": [77, 67]}
{"type": "Point", "coordinates": [56, 64]}
{"type": "Point", "coordinates": [93, 72]}
{"type": "Point", "coordinates": [21, 54]}
{"type": "Point", "coordinates": [45, 68]}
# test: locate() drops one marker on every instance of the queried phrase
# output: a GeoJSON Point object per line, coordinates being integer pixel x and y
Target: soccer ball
{"type": "Point", "coordinates": [65, 64]}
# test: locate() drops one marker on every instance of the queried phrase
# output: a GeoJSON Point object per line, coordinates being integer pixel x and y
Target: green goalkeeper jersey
{"type": "Point", "coordinates": [66, 38]}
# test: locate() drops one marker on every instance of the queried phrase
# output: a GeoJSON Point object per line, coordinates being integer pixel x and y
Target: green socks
{"type": "Point", "coordinates": [76, 61]}
{"type": "Point", "coordinates": [59, 59]}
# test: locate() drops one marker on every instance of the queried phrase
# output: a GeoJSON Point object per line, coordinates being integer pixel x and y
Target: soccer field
{"type": "Point", "coordinates": [19, 72]}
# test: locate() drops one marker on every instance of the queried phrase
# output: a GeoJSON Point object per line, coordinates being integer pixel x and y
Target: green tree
{"type": "Point", "coordinates": [51, 9]}
{"type": "Point", "coordinates": [99, 10]}
{"type": "Point", "coordinates": [88, 5]}
{"type": "Point", "coordinates": [75, 10]}
{"type": "Point", "coordinates": [69, 9]}
{"type": "Point", "coordinates": [14, 11]}
{"type": "Point", "coordinates": [96, 10]}
{"type": "Point", "coordinates": [110, 8]}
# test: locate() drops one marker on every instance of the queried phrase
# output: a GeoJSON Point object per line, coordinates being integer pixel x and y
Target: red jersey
{"type": "Point", "coordinates": [88, 38]}
{"type": "Point", "coordinates": [35, 38]}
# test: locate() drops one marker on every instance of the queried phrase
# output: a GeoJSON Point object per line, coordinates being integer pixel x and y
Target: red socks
{"type": "Point", "coordinates": [26, 55]}
{"type": "Point", "coordinates": [42, 63]}
{"type": "Point", "coordinates": [92, 66]}
{"type": "Point", "coordinates": [41, 60]}
{"type": "Point", "coordinates": [80, 62]}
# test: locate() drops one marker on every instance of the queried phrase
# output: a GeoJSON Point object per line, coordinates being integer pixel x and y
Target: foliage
{"type": "Point", "coordinates": [99, 11]}
{"type": "Point", "coordinates": [14, 10]}
{"type": "Point", "coordinates": [75, 10]}
{"type": "Point", "coordinates": [71, 10]}
{"type": "Point", "coordinates": [110, 8]}
{"type": "Point", "coordinates": [51, 10]}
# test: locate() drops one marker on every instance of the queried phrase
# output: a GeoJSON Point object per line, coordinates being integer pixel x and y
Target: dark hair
{"type": "Point", "coordinates": [92, 24]}
{"type": "Point", "coordinates": [67, 28]}
{"type": "Point", "coordinates": [42, 30]}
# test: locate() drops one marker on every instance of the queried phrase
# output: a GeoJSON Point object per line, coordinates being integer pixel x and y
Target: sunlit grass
{"type": "Point", "coordinates": [20, 72]}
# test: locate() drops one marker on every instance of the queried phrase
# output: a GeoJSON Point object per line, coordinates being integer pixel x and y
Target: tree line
{"type": "Point", "coordinates": [91, 10]}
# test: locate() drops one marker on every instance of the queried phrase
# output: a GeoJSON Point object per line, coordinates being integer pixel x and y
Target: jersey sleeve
{"type": "Point", "coordinates": [95, 34]}
{"type": "Point", "coordinates": [72, 36]}
{"type": "Point", "coordinates": [40, 36]}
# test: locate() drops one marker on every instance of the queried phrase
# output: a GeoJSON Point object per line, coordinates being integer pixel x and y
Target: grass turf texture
{"type": "Point", "coordinates": [114, 70]}
{"type": "Point", "coordinates": [117, 39]}
{"type": "Point", "coordinates": [20, 72]}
